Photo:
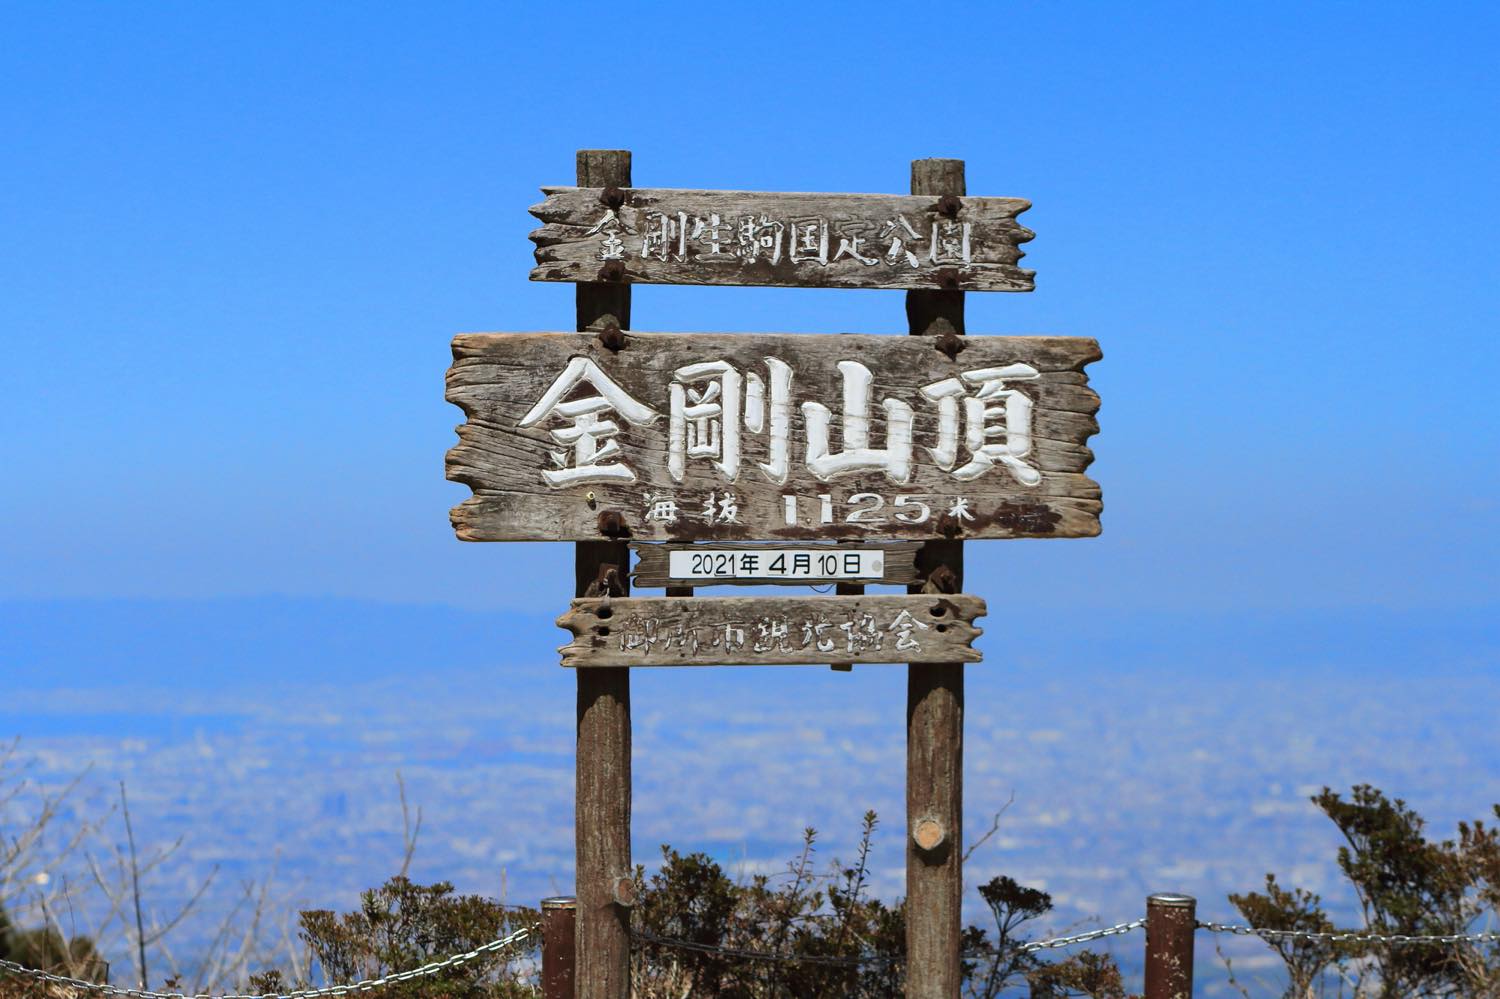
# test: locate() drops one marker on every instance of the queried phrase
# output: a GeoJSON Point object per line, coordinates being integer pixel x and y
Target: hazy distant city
{"type": "Point", "coordinates": [1129, 774]}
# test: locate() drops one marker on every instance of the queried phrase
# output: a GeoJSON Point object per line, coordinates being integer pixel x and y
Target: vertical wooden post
{"type": "Point", "coordinates": [846, 590]}
{"type": "Point", "coordinates": [602, 810]}
{"type": "Point", "coordinates": [559, 934]}
{"type": "Point", "coordinates": [935, 707]}
{"type": "Point", "coordinates": [1171, 921]}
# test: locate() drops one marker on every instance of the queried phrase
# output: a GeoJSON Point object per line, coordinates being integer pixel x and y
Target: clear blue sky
{"type": "Point", "coordinates": [237, 239]}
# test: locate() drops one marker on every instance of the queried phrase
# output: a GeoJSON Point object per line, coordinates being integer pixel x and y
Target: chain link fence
{"type": "Point", "coordinates": [367, 985]}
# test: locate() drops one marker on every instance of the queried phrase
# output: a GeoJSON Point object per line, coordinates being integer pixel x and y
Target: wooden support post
{"type": "Point", "coordinates": [935, 706]}
{"type": "Point", "coordinates": [559, 938]}
{"type": "Point", "coordinates": [846, 590]}
{"type": "Point", "coordinates": [1171, 921]}
{"type": "Point", "coordinates": [602, 810]}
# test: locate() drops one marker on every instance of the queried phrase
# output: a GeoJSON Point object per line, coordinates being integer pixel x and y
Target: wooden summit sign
{"type": "Point", "coordinates": [772, 437]}
{"type": "Point", "coordinates": [802, 240]}
{"type": "Point", "coordinates": [721, 631]}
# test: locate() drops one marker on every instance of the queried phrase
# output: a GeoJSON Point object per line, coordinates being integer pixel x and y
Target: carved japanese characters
{"type": "Point", "coordinates": [749, 238]}
{"type": "Point", "coordinates": [725, 631]}
{"type": "Point", "coordinates": [769, 437]}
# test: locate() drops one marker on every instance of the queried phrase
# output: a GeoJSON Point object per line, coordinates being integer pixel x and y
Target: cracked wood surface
{"type": "Point", "coordinates": [860, 240]}
{"type": "Point", "coordinates": [497, 377]}
{"type": "Point", "coordinates": [771, 630]}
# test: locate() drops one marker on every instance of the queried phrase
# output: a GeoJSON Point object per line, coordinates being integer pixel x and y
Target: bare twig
{"type": "Point", "coordinates": [994, 827]}
{"type": "Point", "coordinates": [408, 831]}
{"type": "Point", "coordinates": [135, 888]}
{"type": "Point", "coordinates": [159, 931]}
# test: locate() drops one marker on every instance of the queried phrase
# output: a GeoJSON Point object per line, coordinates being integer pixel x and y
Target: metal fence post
{"type": "Point", "coordinates": [559, 929]}
{"type": "Point", "coordinates": [1171, 921]}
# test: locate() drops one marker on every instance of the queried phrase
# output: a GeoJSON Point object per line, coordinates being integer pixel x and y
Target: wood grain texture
{"type": "Point", "coordinates": [670, 236]}
{"type": "Point", "coordinates": [651, 568]}
{"type": "Point", "coordinates": [729, 631]}
{"type": "Point", "coordinates": [935, 708]}
{"type": "Point", "coordinates": [498, 378]}
{"type": "Point", "coordinates": [602, 786]}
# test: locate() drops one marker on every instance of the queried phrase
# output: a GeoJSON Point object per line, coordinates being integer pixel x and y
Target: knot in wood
{"type": "Point", "coordinates": [623, 891]}
{"type": "Point", "coordinates": [612, 196]}
{"type": "Point", "coordinates": [611, 339]}
{"type": "Point", "coordinates": [612, 524]}
{"type": "Point", "coordinates": [948, 206]}
{"type": "Point", "coordinates": [613, 271]}
{"type": "Point", "coordinates": [928, 834]}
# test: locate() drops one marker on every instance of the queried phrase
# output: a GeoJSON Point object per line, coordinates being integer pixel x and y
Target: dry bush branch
{"type": "Point", "coordinates": [994, 828]}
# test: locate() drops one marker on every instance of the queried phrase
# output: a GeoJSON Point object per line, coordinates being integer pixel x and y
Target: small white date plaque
{"type": "Point", "coordinates": [776, 564]}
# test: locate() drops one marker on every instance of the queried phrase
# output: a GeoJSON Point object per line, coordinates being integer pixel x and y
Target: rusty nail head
{"type": "Point", "coordinates": [946, 277]}
{"type": "Point", "coordinates": [608, 583]}
{"type": "Point", "coordinates": [611, 523]}
{"type": "Point", "coordinates": [943, 579]}
{"type": "Point", "coordinates": [612, 196]}
{"type": "Point", "coordinates": [949, 343]}
{"type": "Point", "coordinates": [611, 338]}
{"type": "Point", "coordinates": [948, 525]}
{"type": "Point", "coordinates": [949, 205]}
{"type": "Point", "coordinates": [612, 270]}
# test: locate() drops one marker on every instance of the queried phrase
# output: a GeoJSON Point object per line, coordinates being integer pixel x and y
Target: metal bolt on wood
{"type": "Point", "coordinates": [559, 938]}
{"type": "Point", "coordinates": [1171, 920]}
{"type": "Point", "coordinates": [611, 339]}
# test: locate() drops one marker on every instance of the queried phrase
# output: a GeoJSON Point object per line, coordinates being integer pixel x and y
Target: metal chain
{"type": "Point", "coordinates": [1078, 938]}
{"type": "Point", "coordinates": [328, 990]}
{"type": "Point", "coordinates": [1342, 937]}
{"type": "Point", "coordinates": [494, 946]}
{"type": "Point", "coordinates": [873, 959]}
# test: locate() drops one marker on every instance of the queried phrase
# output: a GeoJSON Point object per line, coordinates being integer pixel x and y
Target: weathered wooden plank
{"type": "Point", "coordinates": [723, 631]}
{"type": "Point", "coordinates": [653, 567]}
{"type": "Point", "coordinates": [665, 236]}
{"type": "Point", "coordinates": [772, 437]}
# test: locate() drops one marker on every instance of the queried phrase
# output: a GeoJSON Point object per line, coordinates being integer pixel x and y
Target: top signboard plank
{"type": "Point", "coordinates": [670, 236]}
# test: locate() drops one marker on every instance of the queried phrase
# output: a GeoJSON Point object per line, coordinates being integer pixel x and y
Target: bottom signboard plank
{"type": "Point", "coordinates": [728, 631]}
